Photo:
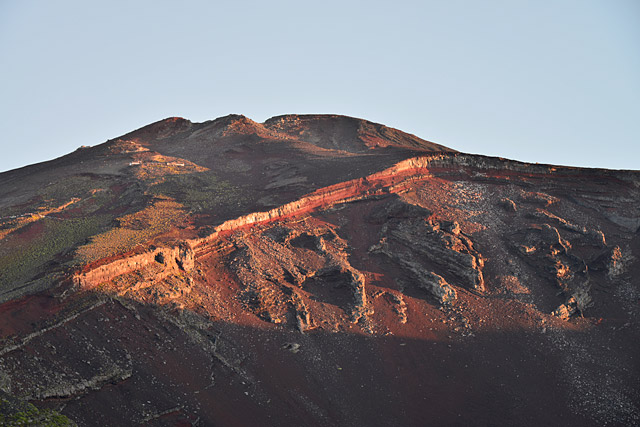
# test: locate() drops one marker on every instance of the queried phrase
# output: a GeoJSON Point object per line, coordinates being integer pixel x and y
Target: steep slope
{"type": "Point", "coordinates": [202, 166]}
{"type": "Point", "coordinates": [319, 270]}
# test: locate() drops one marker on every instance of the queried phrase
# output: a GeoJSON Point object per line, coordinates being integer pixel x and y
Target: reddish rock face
{"type": "Point", "coordinates": [317, 270]}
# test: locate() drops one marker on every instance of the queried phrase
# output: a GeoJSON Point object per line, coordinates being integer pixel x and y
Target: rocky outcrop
{"type": "Point", "coordinates": [436, 255]}
{"type": "Point", "coordinates": [315, 264]}
{"type": "Point", "coordinates": [508, 204]}
{"type": "Point", "coordinates": [173, 259]}
{"type": "Point", "coordinates": [441, 245]}
{"type": "Point", "coordinates": [544, 248]}
{"type": "Point", "coordinates": [70, 387]}
{"type": "Point", "coordinates": [431, 282]}
{"type": "Point", "coordinates": [576, 304]}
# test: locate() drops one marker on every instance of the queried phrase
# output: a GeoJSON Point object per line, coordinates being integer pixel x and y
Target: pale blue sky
{"type": "Point", "coordinates": [539, 81]}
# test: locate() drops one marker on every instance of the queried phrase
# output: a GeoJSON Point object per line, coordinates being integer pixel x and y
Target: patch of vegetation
{"type": "Point", "coordinates": [71, 193]}
{"type": "Point", "coordinates": [198, 192]}
{"type": "Point", "coordinates": [8, 211]}
{"type": "Point", "coordinates": [73, 186]}
{"type": "Point", "coordinates": [22, 258]}
{"type": "Point", "coordinates": [12, 224]}
{"type": "Point", "coordinates": [14, 412]}
{"type": "Point", "coordinates": [132, 230]}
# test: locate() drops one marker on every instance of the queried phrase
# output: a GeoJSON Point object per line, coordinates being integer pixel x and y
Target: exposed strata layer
{"type": "Point", "coordinates": [391, 181]}
{"type": "Point", "coordinates": [172, 259]}
{"type": "Point", "coordinates": [443, 244]}
{"type": "Point", "coordinates": [394, 180]}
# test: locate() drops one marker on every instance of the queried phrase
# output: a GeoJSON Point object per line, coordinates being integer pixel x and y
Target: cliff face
{"type": "Point", "coordinates": [317, 270]}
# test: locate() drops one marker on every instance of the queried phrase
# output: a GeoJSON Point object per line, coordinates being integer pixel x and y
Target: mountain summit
{"type": "Point", "coordinates": [315, 270]}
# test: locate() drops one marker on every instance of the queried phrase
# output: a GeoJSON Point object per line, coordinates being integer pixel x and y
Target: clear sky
{"type": "Point", "coordinates": [539, 81]}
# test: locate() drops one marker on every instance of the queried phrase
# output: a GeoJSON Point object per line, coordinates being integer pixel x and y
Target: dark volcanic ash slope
{"type": "Point", "coordinates": [317, 270]}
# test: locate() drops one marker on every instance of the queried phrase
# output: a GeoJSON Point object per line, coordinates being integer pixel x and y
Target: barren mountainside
{"type": "Point", "coordinates": [316, 270]}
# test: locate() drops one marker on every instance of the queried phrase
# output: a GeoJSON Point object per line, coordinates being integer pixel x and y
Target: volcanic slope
{"type": "Point", "coordinates": [317, 270]}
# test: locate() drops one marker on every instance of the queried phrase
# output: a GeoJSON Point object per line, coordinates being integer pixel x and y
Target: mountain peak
{"type": "Point", "coordinates": [159, 130]}
{"type": "Point", "coordinates": [325, 131]}
{"type": "Point", "coordinates": [317, 270]}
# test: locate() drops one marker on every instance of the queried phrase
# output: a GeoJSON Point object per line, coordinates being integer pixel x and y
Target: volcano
{"type": "Point", "coordinates": [315, 270]}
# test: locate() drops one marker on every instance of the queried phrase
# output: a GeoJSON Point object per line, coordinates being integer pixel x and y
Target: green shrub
{"type": "Point", "coordinates": [14, 412]}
